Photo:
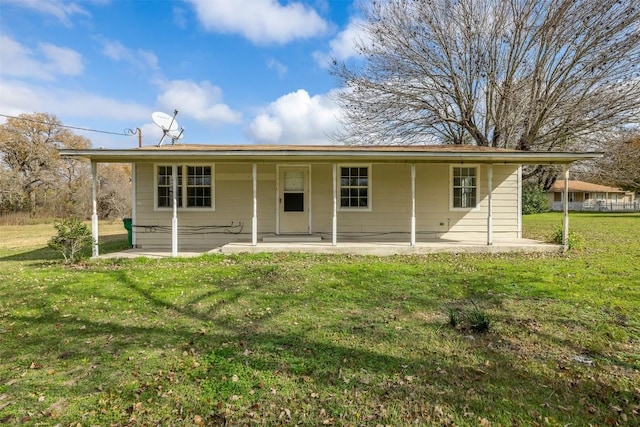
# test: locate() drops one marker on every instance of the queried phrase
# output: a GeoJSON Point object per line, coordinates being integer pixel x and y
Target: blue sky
{"type": "Point", "coordinates": [238, 71]}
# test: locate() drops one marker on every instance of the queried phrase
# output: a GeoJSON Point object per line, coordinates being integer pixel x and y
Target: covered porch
{"type": "Point", "coordinates": [417, 183]}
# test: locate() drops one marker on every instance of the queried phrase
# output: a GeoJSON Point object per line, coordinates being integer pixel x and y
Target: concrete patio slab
{"type": "Point", "coordinates": [392, 248]}
{"type": "Point", "coordinates": [149, 253]}
{"type": "Point", "coordinates": [380, 248]}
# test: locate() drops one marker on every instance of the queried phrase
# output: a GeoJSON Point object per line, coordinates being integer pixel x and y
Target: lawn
{"type": "Point", "coordinates": [325, 340]}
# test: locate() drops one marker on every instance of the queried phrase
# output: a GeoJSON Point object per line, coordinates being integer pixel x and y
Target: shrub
{"type": "Point", "coordinates": [479, 320]}
{"type": "Point", "coordinates": [574, 241]}
{"type": "Point", "coordinates": [534, 200]}
{"type": "Point", "coordinates": [453, 317]}
{"type": "Point", "coordinates": [470, 318]}
{"type": "Point", "coordinates": [72, 237]}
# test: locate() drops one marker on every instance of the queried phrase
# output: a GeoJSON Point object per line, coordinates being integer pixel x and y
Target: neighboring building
{"type": "Point", "coordinates": [585, 196]}
{"type": "Point", "coordinates": [330, 193]}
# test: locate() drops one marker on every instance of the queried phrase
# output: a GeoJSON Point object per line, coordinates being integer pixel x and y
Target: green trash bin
{"type": "Point", "coordinates": [128, 224]}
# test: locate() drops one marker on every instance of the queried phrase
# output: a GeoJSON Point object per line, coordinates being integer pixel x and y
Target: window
{"type": "Point", "coordinates": [354, 187]}
{"type": "Point", "coordinates": [195, 186]}
{"type": "Point", "coordinates": [198, 186]}
{"type": "Point", "coordinates": [165, 187]}
{"type": "Point", "coordinates": [293, 191]}
{"type": "Point", "coordinates": [465, 187]}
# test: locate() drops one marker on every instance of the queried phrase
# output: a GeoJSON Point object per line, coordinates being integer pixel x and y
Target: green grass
{"type": "Point", "coordinates": [336, 340]}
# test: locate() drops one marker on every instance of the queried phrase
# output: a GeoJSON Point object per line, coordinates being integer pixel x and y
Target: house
{"type": "Point", "coordinates": [199, 197]}
{"type": "Point", "coordinates": [585, 196]}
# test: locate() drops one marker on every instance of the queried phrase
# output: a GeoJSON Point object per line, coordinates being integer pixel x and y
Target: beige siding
{"type": "Point", "coordinates": [233, 205]}
{"type": "Point", "coordinates": [389, 197]}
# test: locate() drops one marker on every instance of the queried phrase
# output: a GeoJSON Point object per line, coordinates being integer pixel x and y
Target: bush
{"type": "Point", "coordinates": [73, 236]}
{"type": "Point", "coordinates": [534, 200]}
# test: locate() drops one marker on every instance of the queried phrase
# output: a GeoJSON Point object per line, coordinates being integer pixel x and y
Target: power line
{"type": "Point", "coordinates": [127, 132]}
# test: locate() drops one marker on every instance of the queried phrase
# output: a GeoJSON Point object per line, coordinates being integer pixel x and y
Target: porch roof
{"type": "Point", "coordinates": [332, 153]}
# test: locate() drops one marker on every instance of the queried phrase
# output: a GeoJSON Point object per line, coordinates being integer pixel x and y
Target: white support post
{"type": "Point", "coordinates": [94, 210]}
{"type": "Point", "coordinates": [174, 219]}
{"type": "Point", "coordinates": [134, 211]}
{"type": "Point", "coordinates": [413, 204]}
{"type": "Point", "coordinates": [565, 208]}
{"type": "Point", "coordinates": [334, 238]}
{"type": "Point", "coordinates": [490, 205]}
{"type": "Point", "coordinates": [254, 218]}
{"type": "Point", "coordinates": [519, 225]}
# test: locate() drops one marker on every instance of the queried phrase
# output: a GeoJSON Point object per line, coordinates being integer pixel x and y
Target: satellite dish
{"type": "Point", "coordinates": [168, 124]}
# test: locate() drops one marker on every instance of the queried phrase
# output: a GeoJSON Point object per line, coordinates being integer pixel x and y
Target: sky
{"type": "Point", "coordinates": [238, 71]}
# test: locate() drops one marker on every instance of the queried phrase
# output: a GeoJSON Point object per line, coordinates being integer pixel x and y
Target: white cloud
{"type": "Point", "coordinates": [47, 63]}
{"type": "Point", "coordinates": [297, 118]}
{"type": "Point", "coordinates": [19, 97]}
{"type": "Point", "coordinates": [343, 46]}
{"type": "Point", "coordinates": [60, 9]}
{"type": "Point", "coordinates": [201, 101]}
{"type": "Point", "coordinates": [278, 67]}
{"type": "Point", "coordinates": [140, 59]}
{"type": "Point", "coordinates": [261, 21]}
{"type": "Point", "coordinates": [179, 17]}
{"type": "Point", "coordinates": [62, 60]}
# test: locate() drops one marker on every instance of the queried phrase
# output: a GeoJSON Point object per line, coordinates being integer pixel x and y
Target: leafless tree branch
{"type": "Point", "coordinates": [525, 74]}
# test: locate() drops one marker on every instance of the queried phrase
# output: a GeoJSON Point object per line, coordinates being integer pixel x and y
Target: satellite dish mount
{"type": "Point", "coordinates": [169, 126]}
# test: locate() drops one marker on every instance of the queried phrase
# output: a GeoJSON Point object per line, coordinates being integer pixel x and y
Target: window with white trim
{"type": "Point", "coordinates": [464, 187]}
{"type": "Point", "coordinates": [195, 186]}
{"type": "Point", "coordinates": [355, 184]}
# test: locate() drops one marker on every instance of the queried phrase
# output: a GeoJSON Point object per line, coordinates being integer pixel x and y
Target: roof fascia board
{"type": "Point", "coordinates": [525, 157]}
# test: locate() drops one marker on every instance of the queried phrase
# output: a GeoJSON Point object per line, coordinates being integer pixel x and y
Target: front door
{"type": "Point", "coordinates": [293, 200]}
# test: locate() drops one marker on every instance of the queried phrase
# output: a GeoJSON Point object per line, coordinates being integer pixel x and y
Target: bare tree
{"type": "Point", "coordinates": [114, 192]}
{"type": "Point", "coordinates": [29, 150]}
{"type": "Point", "coordinates": [620, 165]}
{"type": "Point", "coordinates": [524, 74]}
